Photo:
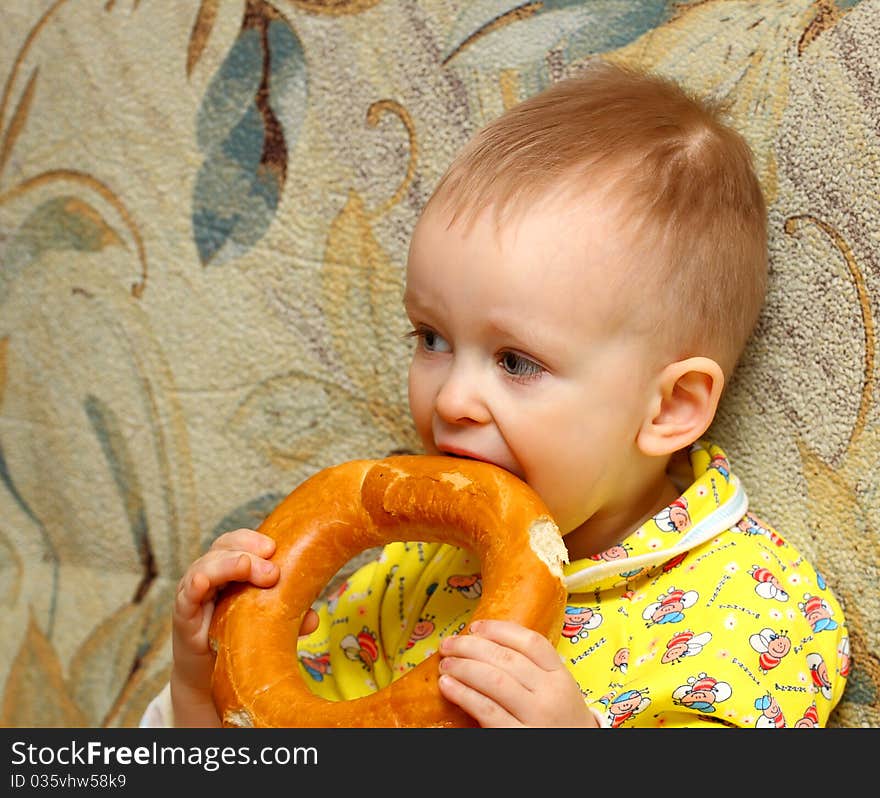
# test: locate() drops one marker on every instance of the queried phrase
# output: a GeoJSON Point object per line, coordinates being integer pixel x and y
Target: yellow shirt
{"type": "Point", "coordinates": [704, 615]}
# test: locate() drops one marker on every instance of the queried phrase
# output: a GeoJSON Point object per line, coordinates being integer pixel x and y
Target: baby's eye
{"type": "Point", "coordinates": [430, 340]}
{"type": "Point", "coordinates": [519, 366]}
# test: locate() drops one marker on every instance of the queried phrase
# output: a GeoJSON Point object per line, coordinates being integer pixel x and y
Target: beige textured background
{"type": "Point", "coordinates": [179, 349]}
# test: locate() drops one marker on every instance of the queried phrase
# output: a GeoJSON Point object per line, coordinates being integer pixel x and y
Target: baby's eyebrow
{"type": "Point", "coordinates": [522, 336]}
{"type": "Point", "coordinates": [412, 302]}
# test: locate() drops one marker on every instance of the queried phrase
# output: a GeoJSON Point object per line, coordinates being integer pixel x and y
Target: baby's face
{"type": "Point", "coordinates": [523, 357]}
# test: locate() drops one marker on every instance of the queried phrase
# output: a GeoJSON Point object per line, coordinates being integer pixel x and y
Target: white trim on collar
{"type": "Point", "coordinates": [719, 520]}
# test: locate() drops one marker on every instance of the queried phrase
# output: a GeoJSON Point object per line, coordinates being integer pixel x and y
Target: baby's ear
{"type": "Point", "coordinates": [682, 407]}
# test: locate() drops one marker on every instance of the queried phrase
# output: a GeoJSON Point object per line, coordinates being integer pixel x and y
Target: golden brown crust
{"type": "Point", "coordinates": [335, 515]}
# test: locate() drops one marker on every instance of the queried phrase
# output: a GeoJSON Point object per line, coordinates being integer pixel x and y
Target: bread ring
{"type": "Point", "coordinates": [344, 510]}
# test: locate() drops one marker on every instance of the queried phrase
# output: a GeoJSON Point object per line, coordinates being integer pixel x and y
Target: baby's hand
{"type": "Point", "coordinates": [239, 556]}
{"type": "Point", "coordinates": [503, 674]}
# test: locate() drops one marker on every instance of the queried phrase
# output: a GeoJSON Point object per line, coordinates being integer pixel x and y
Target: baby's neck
{"type": "Point", "coordinates": [612, 525]}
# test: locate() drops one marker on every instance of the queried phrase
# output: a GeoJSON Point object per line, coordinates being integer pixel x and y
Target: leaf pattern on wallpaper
{"type": "Point", "coordinates": [248, 119]}
{"type": "Point", "coordinates": [19, 117]}
{"type": "Point", "coordinates": [750, 74]}
{"type": "Point", "coordinates": [112, 649]}
{"type": "Point", "coordinates": [297, 420]}
{"type": "Point", "coordinates": [122, 466]}
{"type": "Point", "coordinates": [248, 516]}
{"type": "Point", "coordinates": [36, 693]}
{"type": "Point", "coordinates": [23, 106]}
{"type": "Point", "coordinates": [7, 481]}
{"type": "Point", "coordinates": [826, 14]}
{"type": "Point", "coordinates": [679, 39]}
{"type": "Point", "coordinates": [588, 27]}
{"type": "Point", "coordinates": [362, 292]}
{"type": "Point", "coordinates": [11, 572]}
{"type": "Point", "coordinates": [793, 226]}
{"type": "Point", "coordinates": [4, 368]}
{"type": "Point", "coordinates": [61, 223]}
{"type": "Point", "coordinates": [334, 8]}
{"type": "Point", "coordinates": [10, 575]}
{"type": "Point", "coordinates": [201, 30]}
{"type": "Point", "coordinates": [74, 233]}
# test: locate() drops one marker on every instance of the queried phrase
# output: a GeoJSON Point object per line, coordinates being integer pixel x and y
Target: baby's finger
{"type": "Point", "coordinates": [481, 707]}
{"type": "Point", "coordinates": [535, 647]}
{"type": "Point", "coordinates": [240, 566]}
{"type": "Point", "coordinates": [310, 623]}
{"type": "Point", "coordinates": [211, 573]}
{"type": "Point", "coordinates": [471, 648]}
{"type": "Point", "coordinates": [246, 540]}
{"type": "Point", "coordinates": [191, 592]}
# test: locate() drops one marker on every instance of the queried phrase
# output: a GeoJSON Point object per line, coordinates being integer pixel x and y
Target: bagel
{"type": "Point", "coordinates": [344, 510]}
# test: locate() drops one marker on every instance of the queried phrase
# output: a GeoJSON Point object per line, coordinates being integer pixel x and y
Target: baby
{"type": "Point", "coordinates": [580, 285]}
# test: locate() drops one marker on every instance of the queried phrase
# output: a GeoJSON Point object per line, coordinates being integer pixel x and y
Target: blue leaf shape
{"type": "Point", "coordinates": [51, 554]}
{"type": "Point", "coordinates": [60, 223]}
{"type": "Point", "coordinates": [252, 110]}
{"type": "Point", "coordinates": [122, 464]}
{"type": "Point", "coordinates": [589, 26]}
{"type": "Point", "coordinates": [622, 23]}
{"type": "Point", "coordinates": [231, 91]}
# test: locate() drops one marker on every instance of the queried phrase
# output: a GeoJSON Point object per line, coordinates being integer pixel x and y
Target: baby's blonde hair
{"type": "Point", "coordinates": [686, 181]}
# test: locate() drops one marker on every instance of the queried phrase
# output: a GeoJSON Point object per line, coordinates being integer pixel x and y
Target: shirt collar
{"type": "Point", "coordinates": [713, 502]}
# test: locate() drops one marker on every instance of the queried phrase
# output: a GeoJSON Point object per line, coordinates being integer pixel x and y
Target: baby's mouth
{"type": "Point", "coordinates": [467, 454]}
{"type": "Point", "coordinates": [461, 455]}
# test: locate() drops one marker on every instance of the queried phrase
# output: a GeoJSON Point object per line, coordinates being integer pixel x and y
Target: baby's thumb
{"type": "Point", "coordinates": [309, 624]}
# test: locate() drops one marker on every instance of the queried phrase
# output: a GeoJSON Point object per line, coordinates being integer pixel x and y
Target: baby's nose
{"type": "Point", "coordinates": [462, 398]}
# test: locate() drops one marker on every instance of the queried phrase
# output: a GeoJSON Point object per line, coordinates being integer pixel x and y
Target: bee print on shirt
{"type": "Point", "coordinates": [702, 692]}
{"type": "Point", "coordinates": [316, 665]}
{"type": "Point", "coordinates": [468, 585]}
{"type": "Point", "coordinates": [771, 716]}
{"type": "Point", "coordinates": [810, 720]}
{"type": "Point", "coordinates": [618, 552]}
{"type": "Point", "coordinates": [769, 586]}
{"type": "Point", "coordinates": [675, 517]}
{"type": "Point", "coordinates": [771, 646]}
{"type": "Point", "coordinates": [424, 628]}
{"type": "Point", "coordinates": [670, 606]}
{"type": "Point", "coordinates": [720, 464]}
{"type": "Point", "coordinates": [625, 706]}
{"type": "Point", "coordinates": [818, 613]}
{"type": "Point", "coordinates": [620, 661]}
{"type": "Point", "coordinates": [750, 524]}
{"type": "Point", "coordinates": [579, 621]}
{"type": "Point", "coordinates": [362, 648]}
{"type": "Point", "coordinates": [843, 657]}
{"type": "Point", "coordinates": [819, 675]}
{"type": "Point", "coordinates": [684, 644]}
{"type": "Point", "coordinates": [674, 562]}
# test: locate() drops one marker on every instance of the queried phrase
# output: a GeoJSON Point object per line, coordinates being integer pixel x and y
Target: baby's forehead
{"type": "Point", "coordinates": [569, 248]}
{"type": "Point", "coordinates": [511, 196]}
{"type": "Point", "coordinates": [589, 221]}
